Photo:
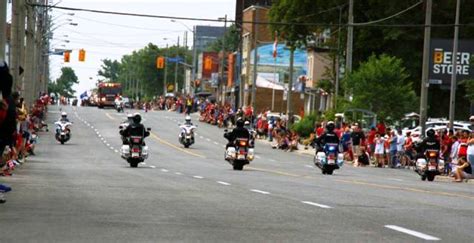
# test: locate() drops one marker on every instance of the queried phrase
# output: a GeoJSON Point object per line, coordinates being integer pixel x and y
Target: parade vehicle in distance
{"type": "Point", "coordinates": [106, 94]}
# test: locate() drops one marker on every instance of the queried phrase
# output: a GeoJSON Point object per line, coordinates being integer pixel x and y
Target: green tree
{"type": "Point", "coordinates": [109, 70]}
{"type": "Point", "coordinates": [232, 40]}
{"type": "Point", "coordinates": [381, 85]}
{"type": "Point", "coordinates": [63, 85]}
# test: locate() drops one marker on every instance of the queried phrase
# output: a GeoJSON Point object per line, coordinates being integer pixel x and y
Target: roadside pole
{"type": "Point", "coordinates": [350, 37]}
{"type": "Point", "coordinates": [165, 80]}
{"type": "Point", "coordinates": [222, 81]}
{"type": "Point", "coordinates": [176, 69]}
{"type": "Point", "coordinates": [452, 99]}
{"type": "Point", "coordinates": [30, 79]}
{"type": "Point", "coordinates": [424, 74]}
{"type": "Point", "coordinates": [255, 60]}
{"type": "Point", "coordinates": [3, 28]}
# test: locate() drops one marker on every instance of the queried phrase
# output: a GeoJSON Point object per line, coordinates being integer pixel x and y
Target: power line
{"type": "Point", "coordinates": [390, 17]}
{"type": "Point", "coordinates": [252, 22]}
{"type": "Point", "coordinates": [122, 25]}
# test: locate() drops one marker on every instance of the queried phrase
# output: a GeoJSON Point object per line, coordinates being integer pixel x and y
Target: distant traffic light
{"type": "Point", "coordinates": [208, 63]}
{"type": "Point", "coordinates": [160, 62]}
{"type": "Point", "coordinates": [82, 55]}
{"type": "Point", "coordinates": [67, 56]}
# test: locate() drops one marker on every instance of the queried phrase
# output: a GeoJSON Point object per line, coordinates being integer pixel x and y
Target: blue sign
{"type": "Point", "coordinates": [174, 59]}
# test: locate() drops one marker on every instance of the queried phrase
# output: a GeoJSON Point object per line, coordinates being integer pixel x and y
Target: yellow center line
{"type": "Point", "coordinates": [176, 147]}
{"type": "Point", "coordinates": [274, 171]}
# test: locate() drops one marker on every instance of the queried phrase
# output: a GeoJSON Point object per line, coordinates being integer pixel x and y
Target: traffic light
{"type": "Point", "coordinates": [160, 62]}
{"type": "Point", "coordinates": [208, 63]}
{"type": "Point", "coordinates": [82, 55]}
{"type": "Point", "coordinates": [67, 56]}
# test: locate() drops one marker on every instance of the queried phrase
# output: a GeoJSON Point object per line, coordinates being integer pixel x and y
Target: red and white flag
{"type": "Point", "coordinates": [275, 46]}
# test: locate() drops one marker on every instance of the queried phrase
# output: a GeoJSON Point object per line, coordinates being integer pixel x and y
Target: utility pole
{"type": "Point", "coordinates": [255, 60]}
{"type": "Point", "coordinates": [424, 74]}
{"type": "Point", "coordinates": [176, 70]}
{"type": "Point", "coordinates": [289, 111]}
{"type": "Point", "coordinates": [193, 76]}
{"type": "Point", "coordinates": [17, 40]}
{"type": "Point", "coordinates": [3, 28]}
{"type": "Point", "coordinates": [165, 80]}
{"type": "Point", "coordinates": [30, 79]}
{"type": "Point", "coordinates": [452, 99]}
{"type": "Point", "coordinates": [336, 92]}
{"type": "Point", "coordinates": [222, 83]}
{"type": "Point", "coordinates": [350, 37]}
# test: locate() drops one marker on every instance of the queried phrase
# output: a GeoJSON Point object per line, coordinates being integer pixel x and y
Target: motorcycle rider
{"type": "Point", "coordinates": [429, 143]}
{"type": "Point", "coordinates": [252, 133]}
{"type": "Point", "coordinates": [239, 132]}
{"type": "Point", "coordinates": [329, 136]}
{"type": "Point", "coordinates": [63, 117]}
{"type": "Point", "coordinates": [187, 121]}
{"type": "Point", "coordinates": [135, 128]}
{"type": "Point", "coordinates": [124, 125]}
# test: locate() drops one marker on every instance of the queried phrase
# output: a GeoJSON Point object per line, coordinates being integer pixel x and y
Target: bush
{"type": "Point", "coordinates": [306, 126]}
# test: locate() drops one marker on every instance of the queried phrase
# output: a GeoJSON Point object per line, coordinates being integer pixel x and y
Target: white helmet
{"type": "Point", "coordinates": [63, 114]}
{"type": "Point", "coordinates": [246, 123]}
{"type": "Point", "coordinates": [187, 118]}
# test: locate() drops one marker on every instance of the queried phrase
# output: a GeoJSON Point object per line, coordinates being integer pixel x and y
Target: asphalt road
{"type": "Point", "coordinates": [84, 192]}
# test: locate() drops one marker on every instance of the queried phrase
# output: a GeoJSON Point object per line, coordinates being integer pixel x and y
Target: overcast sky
{"type": "Point", "coordinates": [111, 36]}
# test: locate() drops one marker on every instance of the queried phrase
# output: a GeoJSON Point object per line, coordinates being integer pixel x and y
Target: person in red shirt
{"type": "Point", "coordinates": [319, 129]}
{"type": "Point", "coordinates": [371, 141]}
{"type": "Point", "coordinates": [381, 129]}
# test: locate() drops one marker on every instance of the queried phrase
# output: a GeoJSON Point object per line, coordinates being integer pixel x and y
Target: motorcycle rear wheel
{"type": "Point", "coordinates": [431, 177]}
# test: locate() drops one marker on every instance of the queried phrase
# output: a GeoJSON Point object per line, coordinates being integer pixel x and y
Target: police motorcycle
{"type": "Point", "coordinates": [119, 105]}
{"type": "Point", "coordinates": [328, 156]}
{"type": "Point", "coordinates": [186, 136]}
{"type": "Point", "coordinates": [63, 129]}
{"type": "Point", "coordinates": [238, 152]}
{"type": "Point", "coordinates": [134, 150]}
{"type": "Point", "coordinates": [429, 163]}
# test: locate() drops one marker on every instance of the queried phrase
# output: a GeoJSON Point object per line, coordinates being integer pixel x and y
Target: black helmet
{"type": "Point", "coordinates": [240, 123]}
{"type": "Point", "coordinates": [137, 118]}
{"type": "Point", "coordinates": [330, 126]}
{"type": "Point", "coordinates": [430, 133]}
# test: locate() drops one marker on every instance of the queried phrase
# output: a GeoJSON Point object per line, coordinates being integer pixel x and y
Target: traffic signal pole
{"type": "Point", "coordinates": [452, 99]}
{"type": "Point", "coordinates": [424, 74]}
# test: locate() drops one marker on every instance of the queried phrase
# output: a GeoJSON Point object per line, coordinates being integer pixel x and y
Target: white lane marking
{"type": "Point", "coordinates": [395, 179]}
{"type": "Point", "coordinates": [143, 163]}
{"type": "Point", "coordinates": [196, 133]}
{"type": "Point", "coordinates": [178, 173]}
{"type": "Point", "coordinates": [223, 146]}
{"type": "Point", "coordinates": [258, 157]}
{"type": "Point", "coordinates": [198, 177]}
{"type": "Point", "coordinates": [223, 183]}
{"type": "Point", "coordinates": [108, 145]}
{"type": "Point", "coordinates": [208, 139]}
{"type": "Point", "coordinates": [316, 204]}
{"type": "Point", "coordinates": [152, 166]}
{"type": "Point", "coordinates": [261, 192]}
{"type": "Point", "coordinates": [201, 137]}
{"type": "Point", "coordinates": [92, 127]}
{"type": "Point", "coordinates": [102, 139]}
{"type": "Point", "coordinates": [412, 232]}
{"type": "Point", "coordinates": [164, 170]}
{"type": "Point", "coordinates": [99, 135]}
{"type": "Point", "coordinates": [272, 160]}
{"type": "Point", "coordinates": [309, 166]}
{"type": "Point", "coordinates": [112, 148]}
{"type": "Point", "coordinates": [116, 151]}
{"type": "Point", "coordinates": [216, 143]}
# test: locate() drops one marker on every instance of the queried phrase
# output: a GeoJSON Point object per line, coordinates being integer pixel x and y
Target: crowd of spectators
{"type": "Point", "coordinates": [18, 126]}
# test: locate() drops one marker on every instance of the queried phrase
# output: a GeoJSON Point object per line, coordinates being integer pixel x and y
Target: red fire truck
{"type": "Point", "coordinates": [106, 94]}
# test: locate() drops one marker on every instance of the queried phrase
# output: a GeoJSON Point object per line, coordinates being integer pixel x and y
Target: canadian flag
{"type": "Point", "coordinates": [275, 46]}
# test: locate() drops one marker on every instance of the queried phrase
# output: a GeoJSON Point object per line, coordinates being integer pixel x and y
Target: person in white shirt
{"type": "Point", "coordinates": [400, 147]}
{"type": "Point", "coordinates": [454, 154]}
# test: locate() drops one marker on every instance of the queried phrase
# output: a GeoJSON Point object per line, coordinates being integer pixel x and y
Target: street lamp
{"type": "Point", "coordinates": [193, 65]}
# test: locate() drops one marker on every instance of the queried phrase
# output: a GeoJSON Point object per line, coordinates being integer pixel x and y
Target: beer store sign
{"type": "Point", "coordinates": [441, 61]}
